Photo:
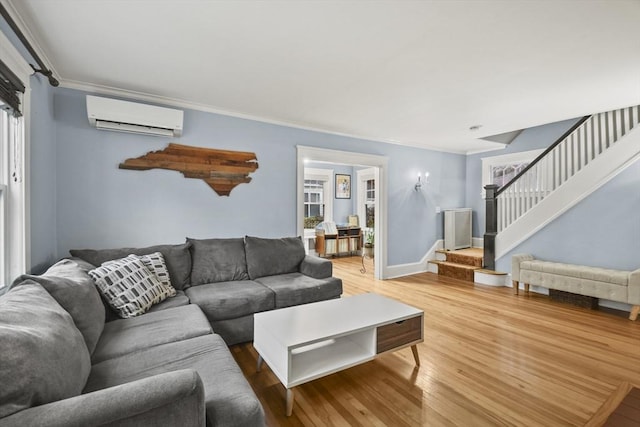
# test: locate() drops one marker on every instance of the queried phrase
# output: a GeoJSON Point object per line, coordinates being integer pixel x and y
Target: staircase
{"type": "Point", "coordinates": [591, 153]}
{"type": "Point", "coordinates": [461, 264]}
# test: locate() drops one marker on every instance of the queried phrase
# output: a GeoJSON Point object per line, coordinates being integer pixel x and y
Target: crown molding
{"type": "Point", "coordinates": [181, 103]}
{"type": "Point", "coordinates": [25, 25]}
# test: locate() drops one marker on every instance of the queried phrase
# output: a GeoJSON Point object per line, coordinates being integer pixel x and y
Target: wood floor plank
{"type": "Point", "coordinates": [489, 358]}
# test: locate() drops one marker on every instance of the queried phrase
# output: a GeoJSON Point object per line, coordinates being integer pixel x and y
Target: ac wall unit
{"type": "Point", "coordinates": [133, 117]}
{"type": "Point", "coordinates": [457, 229]}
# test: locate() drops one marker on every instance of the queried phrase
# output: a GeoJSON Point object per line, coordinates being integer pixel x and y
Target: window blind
{"type": "Point", "coordinates": [10, 88]}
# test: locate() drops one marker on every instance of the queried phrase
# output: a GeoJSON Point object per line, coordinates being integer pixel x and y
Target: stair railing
{"type": "Point", "coordinates": [576, 148]}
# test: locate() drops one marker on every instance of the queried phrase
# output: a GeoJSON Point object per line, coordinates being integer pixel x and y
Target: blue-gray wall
{"type": "Point", "coordinates": [42, 174]}
{"type": "Point", "coordinates": [42, 170]}
{"type": "Point", "coordinates": [99, 205]}
{"type": "Point", "coordinates": [602, 230]}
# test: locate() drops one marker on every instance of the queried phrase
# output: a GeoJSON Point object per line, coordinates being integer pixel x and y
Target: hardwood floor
{"type": "Point", "coordinates": [488, 358]}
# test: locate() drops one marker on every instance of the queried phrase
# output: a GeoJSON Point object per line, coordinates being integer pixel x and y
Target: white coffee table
{"type": "Point", "coordinates": [310, 341]}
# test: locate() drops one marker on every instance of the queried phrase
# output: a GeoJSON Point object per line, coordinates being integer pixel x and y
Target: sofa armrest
{"type": "Point", "coordinates": [316, 267]}
{"type": "Point", "coordinates": [515, 265]}
{"type": "Point", "coordinates": [633, 290]}
{"type": "Point", "coordinates": [172, 398]}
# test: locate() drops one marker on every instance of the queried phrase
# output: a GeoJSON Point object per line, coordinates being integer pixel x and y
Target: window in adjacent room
{"type": "Point", "coordinates": [313, 202]}
{"type": "Point", "coordinates": [500, 170]}
{"type": "Point", "coordinates": [318, 200]}
{"type": "Point", "coordinates": [370, 203]}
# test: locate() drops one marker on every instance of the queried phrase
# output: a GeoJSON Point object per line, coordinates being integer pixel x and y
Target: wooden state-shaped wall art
{"type": "Point", "coordinates": [222, 170]}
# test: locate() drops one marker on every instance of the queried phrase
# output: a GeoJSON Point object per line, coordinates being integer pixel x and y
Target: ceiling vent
{"type": "Point", "coordinates": [132, 117]}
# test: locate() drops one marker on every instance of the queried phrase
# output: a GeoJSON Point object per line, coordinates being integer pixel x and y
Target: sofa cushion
{"type": "Point", "coordinates": [129, 287]}
{"type": "Point", "coordinates": [296, 288]}
{"type": "Point", "coordinates": [68, 282]}
{"type": "Point", "coordinates": [228, 300]}
{"type": "Point", "coordinates": [43, 356]}
{"type": "Point", "coordinates": [128, 335]}
{"type": "Point", "coordinates": [179, 300]}
{"type": "Point", "coordinates": [217, 260]}
{"type": "Point", "coordinates": [229, 397]}
{"type": "Point", "coordinates": [268, 257]}
{"type": "Point", "coordinates": [177, 258]}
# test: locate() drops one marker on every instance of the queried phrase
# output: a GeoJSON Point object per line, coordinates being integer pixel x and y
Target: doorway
{"type": "Point", "coordinates": [377, 168]}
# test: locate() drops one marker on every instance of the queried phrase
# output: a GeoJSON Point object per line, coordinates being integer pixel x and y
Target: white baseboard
{"type": "Point", "coordinates": [601, 302]}
{"type": "Point", "coordinates": [400, 270]}
{"type": "Point", "coordinates": [477, 242]}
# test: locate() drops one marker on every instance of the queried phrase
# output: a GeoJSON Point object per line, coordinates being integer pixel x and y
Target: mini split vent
{"type": "Point", "coordinates": [132, 117]}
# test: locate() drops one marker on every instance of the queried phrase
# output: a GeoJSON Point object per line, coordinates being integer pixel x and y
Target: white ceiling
{"type": "Point", "coordinates": [416, 73]}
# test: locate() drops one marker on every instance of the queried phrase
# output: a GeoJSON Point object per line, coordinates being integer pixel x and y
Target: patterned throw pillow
{"type": "Point", "coordinates": [129, 287]}
{"type": "Point", "coordinates": [155, 263]}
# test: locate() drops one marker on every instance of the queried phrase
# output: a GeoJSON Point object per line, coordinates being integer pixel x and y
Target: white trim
{"type": "Point", "coordinates": [18, 232]}
{"type": "Point", "coordinates": [486, 150]}
{"type": "Point", "coordinates": [327, 190]}
{"type": "Point", "coordinates": [12, 58]}
{"type": "Point", "coordinates": [599, 171]}
{"type": "Point", "coordinates": [477, 242]}
{"type": "Point", "coordinates": [362, 175]}
{"type": "Point", "coordinates": [25, 26]}
{"type": "Point", "coordinates": [181, 103]}
{"type": "Point", "coordinates": [315, 154]}
{"type": "Point", "coordinates": [400, 270]}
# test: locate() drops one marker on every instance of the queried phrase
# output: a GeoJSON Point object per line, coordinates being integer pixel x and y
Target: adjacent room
{"type": "Point", "coordinates": [319, 213]}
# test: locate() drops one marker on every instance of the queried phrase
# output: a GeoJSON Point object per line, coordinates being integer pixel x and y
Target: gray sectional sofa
{"type": "Point", "coordinates": [67, 361]}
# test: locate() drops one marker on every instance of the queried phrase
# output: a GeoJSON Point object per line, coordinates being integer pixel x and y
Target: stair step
{"type": "Point", "coordinates": [469, 256]}
{"type": "Point", "coordinates": [492, 272]}
{"type": "Point", "coordinates": [455, 270]}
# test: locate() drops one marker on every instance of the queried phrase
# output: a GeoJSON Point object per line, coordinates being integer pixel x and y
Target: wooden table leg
{"type": "Point", "coordinates": [290, 397]}
{"type": "Point", "coordinates": [259, 366]}
{"type": "Point", "coordinates": [515, 287]}
{"type": "Point", "coordinates": [416, 357]}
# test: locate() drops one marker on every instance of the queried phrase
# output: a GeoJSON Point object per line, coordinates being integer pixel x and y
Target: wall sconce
{"type": "Point", "coordinates": [418, 185]}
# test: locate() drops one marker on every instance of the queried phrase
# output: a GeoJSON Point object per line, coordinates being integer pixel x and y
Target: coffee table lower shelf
{"type": "Point", "coordinates": [320, 356]}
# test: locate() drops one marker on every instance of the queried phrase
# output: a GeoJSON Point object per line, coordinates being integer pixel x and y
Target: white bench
{"type": "Point", "coordinates": [613, 285]}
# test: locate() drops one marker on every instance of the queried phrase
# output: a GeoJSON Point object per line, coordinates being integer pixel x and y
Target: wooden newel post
{"type": "Point", "coordinates": [491, 226]}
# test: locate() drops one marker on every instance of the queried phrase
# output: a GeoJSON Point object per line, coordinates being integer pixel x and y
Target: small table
{"type": "Point", "coordinates": [310, 341]}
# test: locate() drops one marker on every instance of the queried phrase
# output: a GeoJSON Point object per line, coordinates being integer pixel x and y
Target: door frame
{"type": "Point", "coordinates": [380, 165]}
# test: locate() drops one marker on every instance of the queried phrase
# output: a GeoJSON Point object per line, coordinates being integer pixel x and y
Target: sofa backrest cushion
{"type": "Point", "coordinates": [217, 260]}
{"type": "Point", "coordinates": [43, 357]}
{"type": "Point", "coordinates": [69, 283]}
{"type": "Point", "coordinates": [176, 257]}
{"type": "Point", "coordinates": [268, 257]}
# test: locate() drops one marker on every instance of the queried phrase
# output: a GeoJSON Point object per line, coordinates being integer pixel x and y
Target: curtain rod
{"type": "Point", "coordinates": [43, 68]}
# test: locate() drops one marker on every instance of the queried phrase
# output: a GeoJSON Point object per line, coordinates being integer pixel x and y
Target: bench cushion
{"type": "Point", "coordinates": [616, 277]}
